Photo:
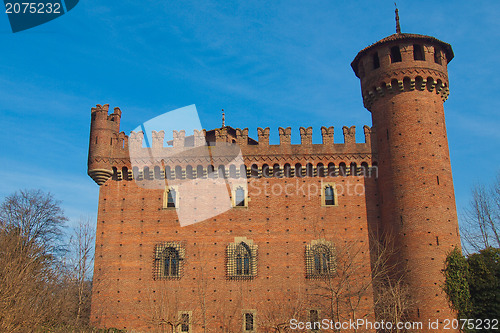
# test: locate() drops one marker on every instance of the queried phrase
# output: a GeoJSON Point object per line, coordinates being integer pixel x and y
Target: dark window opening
{"type": "Point", "coordinates": [418, 52]}
{"type": "Point", "coordinates": [376, 61]}
{"type": "Point", "coordinates": [171, 263]}
{"type": "Point", "coordinates": [329, 196]}
{"type": "Point", "coordinates": [395, 54]}
{"type": "Point", "coordinates": [314, 320]}
{"type": "Point", "coordinates": [437, 56]}
{"type": "Point", "coordinates": [243, 256]}
{"type": "Point", "coordinates": [171, 198]}
{"type": "Point", "coordinates": [321, 260]}
{"type": "Point", "coordinates": [185, 322]}
{"type": "Point", "coordinates": [249, 322]}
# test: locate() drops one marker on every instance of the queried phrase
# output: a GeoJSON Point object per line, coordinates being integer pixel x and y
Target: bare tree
{"type": "Point", "coordinates": [81, 248]}
{"type": "Point", "coordinates": [36, 215]}
{"type": "Point", "coordinates": [481, 228]}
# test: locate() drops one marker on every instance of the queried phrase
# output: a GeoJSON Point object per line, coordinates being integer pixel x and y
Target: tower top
{"type": "Point", "coordinates": [398, 38]}
{"type": "Point", "coordinates": [223, 118]}
{"type": "Point", "coordinates": [398, 27]}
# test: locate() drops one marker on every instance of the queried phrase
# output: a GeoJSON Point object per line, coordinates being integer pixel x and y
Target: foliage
{"type": "Point", "coordinates": [456, 284]}
{"type": "Point", "coordinates": [484, 283]}
{"type": "Point", "coordinates": [472, 284]}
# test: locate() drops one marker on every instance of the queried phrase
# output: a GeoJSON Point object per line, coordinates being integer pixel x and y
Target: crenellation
{"type": "Point", "coordinates": [179, 138]}
{"type": "Point", "coordinates": [263, 134]}
{"type": "Point", "coordinates": [349, 134]}
{"type": "Point", "coordinates": [306, 136]}
{"type": "Point", "coordinates": [157, 139]}
{"type": "Point", "coordinates": [327, 135]}
{"type": "Point", "coordinates": [285, 135]}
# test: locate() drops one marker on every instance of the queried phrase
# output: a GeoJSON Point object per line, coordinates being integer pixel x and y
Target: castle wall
{"type": "Point", "coordinates": [131, 221]}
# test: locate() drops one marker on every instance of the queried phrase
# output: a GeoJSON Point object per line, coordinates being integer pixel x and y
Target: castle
{"type": "Point", "coordinates": [300, 235]}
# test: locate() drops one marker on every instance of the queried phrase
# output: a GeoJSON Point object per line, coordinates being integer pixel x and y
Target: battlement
{"type": "Point", "coordinates": [241, 138]}
{"type": "Point", "coordinates": [109, 148]}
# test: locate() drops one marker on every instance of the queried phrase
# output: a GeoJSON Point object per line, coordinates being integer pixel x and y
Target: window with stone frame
{"type": "Point", "coordinates": [320, 259]}
{"type": "Point", "coordinates": [184, 321]}
{"type": "Point", "coordinates": [329, 195]}
{"type": "Point", "coordinates": [171, 197]}
{"type": "Point", "coordinates": [239, 196]}
{"type": "Point", "coordinates": [249, 320]}
{"type": "Point", "coordinates": [242, 259]}
{"type": "Point", "coordinates": [168, 260]}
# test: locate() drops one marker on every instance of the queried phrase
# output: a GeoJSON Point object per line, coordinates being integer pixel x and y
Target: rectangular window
{"type": "Point", "coordinates": [171, 197]}
{"type": "Point", "coordinates": [185, 322]}
{"type": "Point", "coordinates": [249, 321]}
{"type": "Point", "coordinates": [395, 54]}
{"type": "Point", "coordinates": [328, 195]}
{"type": "Point", "coordinates": [314, 320]}
{"type": "Point", "coordinates": [239, 196]}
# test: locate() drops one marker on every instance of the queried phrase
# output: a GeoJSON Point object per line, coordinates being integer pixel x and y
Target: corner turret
{"type": "Point", "coordinates": [104, 135]}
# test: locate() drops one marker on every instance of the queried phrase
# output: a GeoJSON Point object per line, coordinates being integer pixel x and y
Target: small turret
{"type": "Point", "coordinates": [104, 130]}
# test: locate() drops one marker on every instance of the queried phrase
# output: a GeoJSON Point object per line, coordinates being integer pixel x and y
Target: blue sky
{"type": "Point", "coordinates": [267, 63]}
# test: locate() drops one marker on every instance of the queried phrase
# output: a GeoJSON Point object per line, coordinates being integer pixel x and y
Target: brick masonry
{"type": "Point", "coordinates": [412, 200]}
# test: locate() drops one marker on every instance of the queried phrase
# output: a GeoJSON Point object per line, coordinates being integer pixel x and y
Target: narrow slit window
{"type": "Point", "coordinates": [437, 55]}
{"type": "Point", "coordinates": [376, 61]}
{"type": "Point", "coordinates": [329, 196]}
{"type": "Point", "coordinates": [171, 198]}
{"type": "Point", "coordinates": [249, 325]}
{"type": "Point", "coordinates": [240, 197]}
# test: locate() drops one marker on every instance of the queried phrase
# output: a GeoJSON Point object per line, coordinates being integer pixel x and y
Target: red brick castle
{"type": "Point", "coordinates": [302, 239]}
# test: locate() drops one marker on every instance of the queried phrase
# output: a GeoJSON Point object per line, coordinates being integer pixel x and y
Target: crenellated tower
{"type": "Point", "coordinates": [104, 139]}
{"type": "Point", "coordinates": [404, 83]}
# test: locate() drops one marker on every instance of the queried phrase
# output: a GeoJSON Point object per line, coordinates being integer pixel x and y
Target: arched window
{"type": "Point", "coordinates": [342, 169]}
{"type": "Point", "coordinates": [354, 169]}
{"type": "Point", "coordinates": [265, 171]}
{"type": "Point", "coordinates": [329, 195]}
{"type": "Point", "coordinates": [276, 170]}
{"type": "Point", "coordinates": [168, 172]}
{"type": "Point", "coordinates": [364, 169]}
{"type": "Point", "coordinates": [200, 172]}
{"type": "Point", "coordinates": [232, 171]}
{"type": "Point", "coordinates": [168, 260]}
{"type": "Point", "coordinates": [309, 170]}
{"type": "Point", "coordinates": [242, 259]}
{"type": "Point", "coordinates": [331, 170]}
{"type": "Point", "coordinates": [254, 169]}
{"type": "Point", "coordinates": [320, 259]}
{"type": "Point", "coordinates": [178, 172]}
{"type": "Point", "coordinates": [222, 171]}
{"type": "Point", "coordinates": [298, 170]}
{"type": "Point", "coordinates": [243, 171]}
{"type": "Point", "coordinates": [320, 170]}
{"type": "Point", "coordinates": [287, 170]}
{"type": "Point", "coordinates": [243, 255]}
{"type": "Point", "coordinates": [189, 172]}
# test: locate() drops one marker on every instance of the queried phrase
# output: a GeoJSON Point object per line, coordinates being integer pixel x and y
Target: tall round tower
{"type": "Point", "coordinates": [404, 83]}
